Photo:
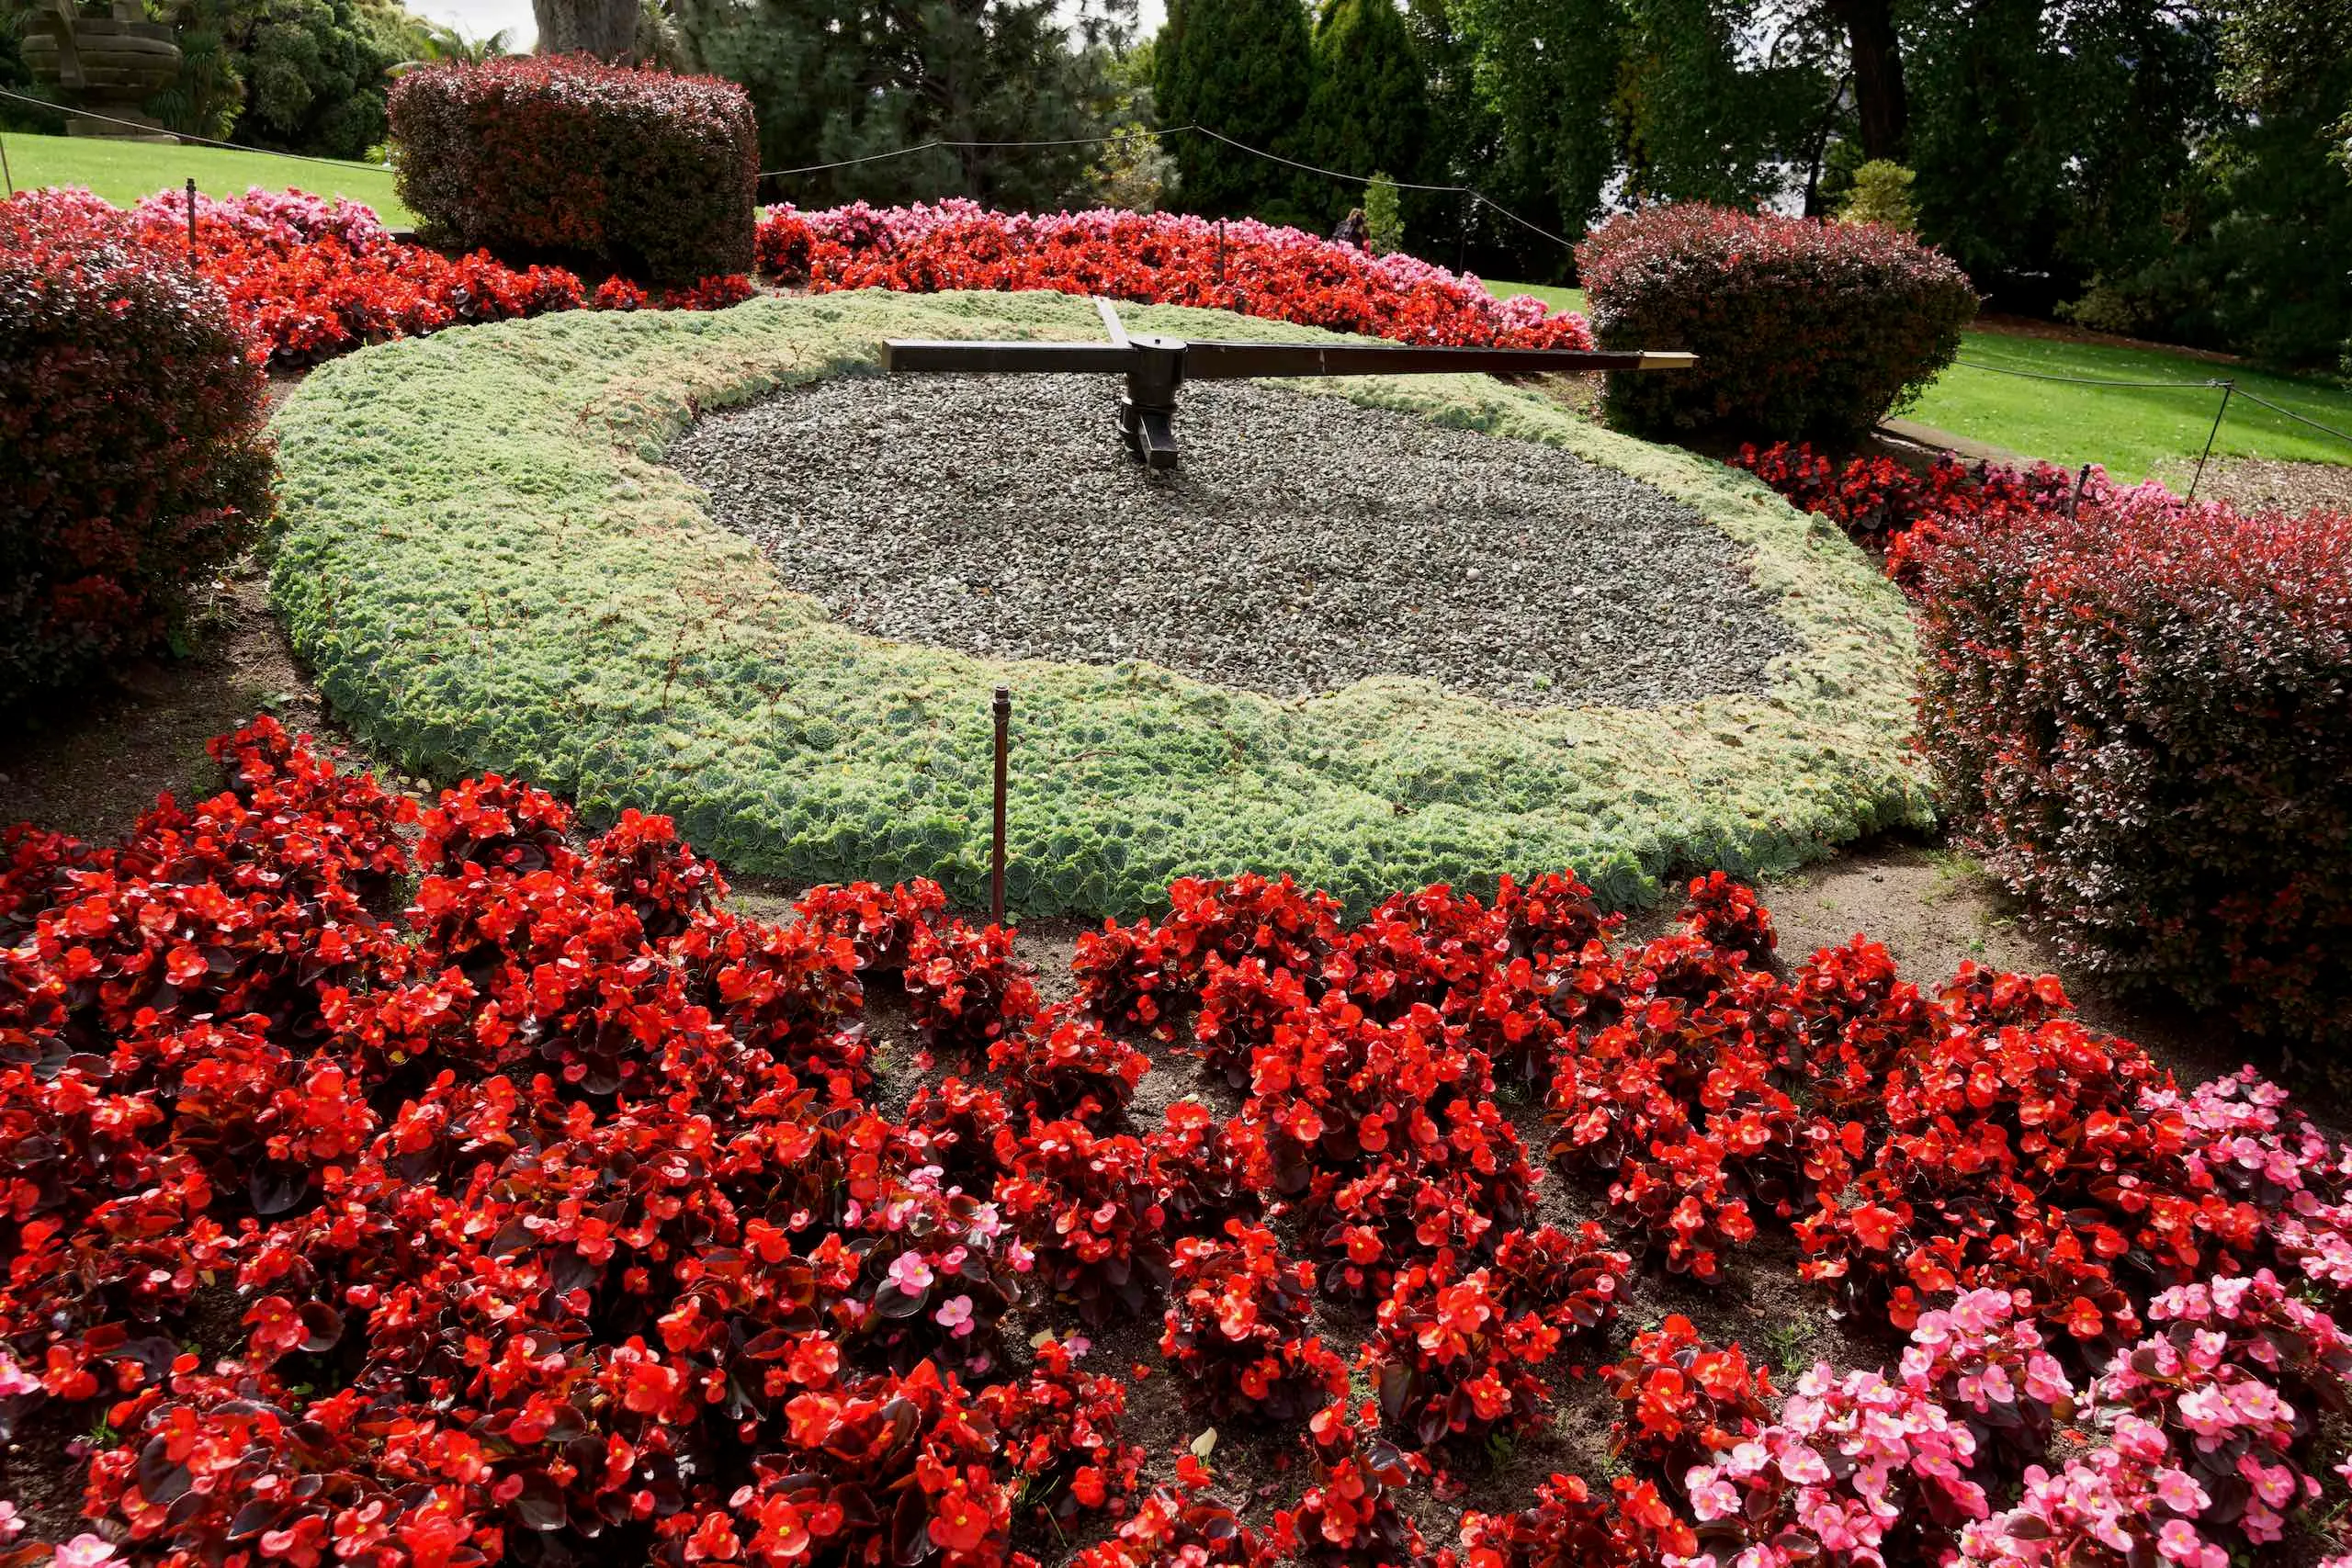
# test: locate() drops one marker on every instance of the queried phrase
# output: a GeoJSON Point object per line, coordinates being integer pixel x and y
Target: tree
{"type": "Point", "coordinates": [1367, 109]}
{"type": "Point", "coordinates": [1529, 105]}
{"type": "Point", "coordinates": [296, 76]}
{"type": "Point", "coordinates": [1245, 69]}
{"type": "Point", "coordinates": [2054, 142]}
{"type": "Point", "coordinates": [834, 80]}
{"type": "Point", "coordinates": [605, 28]}
{"type": "Point", "coordinates": [1722, 100]}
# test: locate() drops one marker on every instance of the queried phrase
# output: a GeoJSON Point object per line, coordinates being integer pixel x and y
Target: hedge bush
{"type": "Point", "coordinates": [2143, 717]}
{"type": "Point", "coordinates": [132, 436]}
{"type": "Point", "coordinates": [649, 174]}
{"type": "Point", "coordinates": [1801, 327]}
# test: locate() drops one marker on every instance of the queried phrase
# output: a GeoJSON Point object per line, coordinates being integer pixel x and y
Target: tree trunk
{"type": "Point", "coordinates": [605, 28]}
{"type": "Point", "coordinates": [1879, 100]}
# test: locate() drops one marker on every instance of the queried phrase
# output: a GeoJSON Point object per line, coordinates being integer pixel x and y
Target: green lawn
{"type": "Point", "coordinates": [122, 171]}
{"type": "Point", "coordinates": [1552, 294]}
{"type": "Point", "coordinates": [2128, 430]}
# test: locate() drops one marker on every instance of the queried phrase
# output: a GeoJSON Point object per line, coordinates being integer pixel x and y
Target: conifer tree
{"type": "Point", "coordinates": [1244, 68]}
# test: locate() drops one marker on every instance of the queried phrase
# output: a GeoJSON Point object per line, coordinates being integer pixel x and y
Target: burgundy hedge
{"type": "Point", "coordinates": [1801, 327]}
{"type": "Point", "coordinates": [649, 174]}
{"type": "Point", "coordinates": [2143, 717]}
{"type": "Point", "coordinates": [132, 438]}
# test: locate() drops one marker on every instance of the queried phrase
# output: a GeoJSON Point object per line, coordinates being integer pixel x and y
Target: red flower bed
{"type": "Point", "coordinates": [1154, 259]}
{"type": "Point", "coordinates": [308, 280]}
{"type": "Point", "coordinates": [444, 1188]}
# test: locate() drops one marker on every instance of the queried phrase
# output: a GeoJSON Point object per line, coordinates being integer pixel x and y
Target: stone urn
{"type": "Point", "coordinates": [104, 66]}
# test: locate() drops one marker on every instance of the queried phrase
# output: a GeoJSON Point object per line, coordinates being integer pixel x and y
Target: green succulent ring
{"type": "Point", "coordinates": [485, 560]}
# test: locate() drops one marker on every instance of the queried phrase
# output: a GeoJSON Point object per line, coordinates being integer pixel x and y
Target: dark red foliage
{"type": "Point", "coordinates": [1186, 1528]}
{"type": "Point", "coordinates": [1151, 975]}
{"type": "Point", "coordinates": [2142, 717]}
{"type": "Point", "coordinates": [966, 990]}
{"type": "Point", "coordinates": [649, 173]}
{"type": "Point", "coordinates": [1349, 1518]}
{"type": "Point", "coordinates": [1064, 1064]}
{"type": "Point", "coordinates": [109, 520]}
{"type": "Point", "coordinates": [1682, 1399]}
{"type": "Point", "coordinates": [1060, 1427]}
{"type": "Point", "coordinates": [962, 1128]}
{"type": "Point", "coordinates": [1728, 916]}
{"type": "Point", "coordinates": [1087, 1207]}
{"type": "Point", "coordinates": [1800, 325]}
{"type": "Point", "coordinates": [1208, 1172]}
{"type": "Point", "coordinates": [880, 925]}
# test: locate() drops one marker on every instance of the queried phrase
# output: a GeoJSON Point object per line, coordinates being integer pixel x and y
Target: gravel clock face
{"type": "Point", "coordinates": [1307, 543]}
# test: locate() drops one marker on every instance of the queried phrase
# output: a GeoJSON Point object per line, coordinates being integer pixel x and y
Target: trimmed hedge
{"type": "Point", "coordinates": [132, 443]}
{"type": "Point", "coordinates": [1801, 327]}
{"type": "Point", "coordinates": [650, 174]}
{"type": "Point", "coordinates": [2143, 717]}
{"type": "Point", "coordinates": [489, 566]}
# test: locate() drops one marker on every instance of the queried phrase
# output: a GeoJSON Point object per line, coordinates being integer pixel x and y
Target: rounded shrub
{"type": "Point", "coordinates": [1801, 327]}
{"type": "Point", "coordinates": [2143, 717]}
{"type": "Point", "coordinates": [649, 174]}
{"type": "Point", "coordinates": [131, 433]}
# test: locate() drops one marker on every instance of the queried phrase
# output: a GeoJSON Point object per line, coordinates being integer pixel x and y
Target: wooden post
{"type": "Point", "coordinates": [2198, 476]}
{"type": "Point", "coordinates": [191, 224]}
{"type": "Point", "coordinates": [996, 846]}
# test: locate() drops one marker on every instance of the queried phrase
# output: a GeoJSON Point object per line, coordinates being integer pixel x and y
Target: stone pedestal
{"type": "Point", "coordinates": [106, 67]}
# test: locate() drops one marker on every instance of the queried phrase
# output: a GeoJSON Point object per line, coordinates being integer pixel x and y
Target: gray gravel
{"type": "Point", "coordinates": [1304, 543]}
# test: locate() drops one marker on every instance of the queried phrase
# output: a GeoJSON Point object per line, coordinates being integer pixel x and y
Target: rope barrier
{"type": "Point", "coordinates": [2227, 387]}
{"type": "Point", "coordinates": [1476, 197]}
{"type": "Point", "coordinates": [2299, 419]}
{"type": "Point", "coordinates": [199, 140]}
{"type": "Point", "coordinates": [2206, 386]}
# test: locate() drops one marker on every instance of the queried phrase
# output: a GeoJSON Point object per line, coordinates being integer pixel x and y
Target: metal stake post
{"type": "Point", "coordinates": [1220, 250]}
{"type": "Point", "coordinates": [996, 847]}
{"type": "Point", "coordinates": [191, 224]}
{"type": "Point", "coordinates": [2198, 477]}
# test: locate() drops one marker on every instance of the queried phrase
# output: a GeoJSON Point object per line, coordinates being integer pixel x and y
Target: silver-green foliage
{"type": "Point", "coordinates": [484, 558]}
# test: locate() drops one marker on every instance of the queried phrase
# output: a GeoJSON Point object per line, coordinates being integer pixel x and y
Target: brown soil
{"type": "Point", "coordinates": [2255, 484]}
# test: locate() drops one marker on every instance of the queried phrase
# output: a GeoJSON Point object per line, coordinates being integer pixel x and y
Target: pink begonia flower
{"type": "Point", "coordinates": [11, 1526]}
{"type": "Point", "coordinates": [85, 1551]}
{"type": "Point", "coordinates": [15, 1380]}
{"type": "Point", "coordinates": [911, 1274]}
{"type": "Point", "coordinates": [955, 1315]}
{"type": "Point", "coordinates": [1711, 1497]}
{"type": "Point", "coordinates": [2175, 1490]}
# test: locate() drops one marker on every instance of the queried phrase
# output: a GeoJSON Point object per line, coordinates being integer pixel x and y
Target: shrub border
{"type": "Point", "coordinates": [483, 559]}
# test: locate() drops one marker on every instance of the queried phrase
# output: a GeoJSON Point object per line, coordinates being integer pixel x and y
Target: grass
{"type": "Point", "coordinates": [2129, 430]}
{"type": "Point", "coordinates": [1552, 294]}
{"type": "Point", "coordinates": [122, 171]}
{"type": "Point", "coordinates": [482, 557]}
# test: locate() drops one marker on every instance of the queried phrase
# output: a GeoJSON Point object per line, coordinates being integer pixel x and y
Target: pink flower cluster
{"type": "Point", "coordinates": [1852, 1460]}
{"type": "Point", "coordinates": [2198, 1443]}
